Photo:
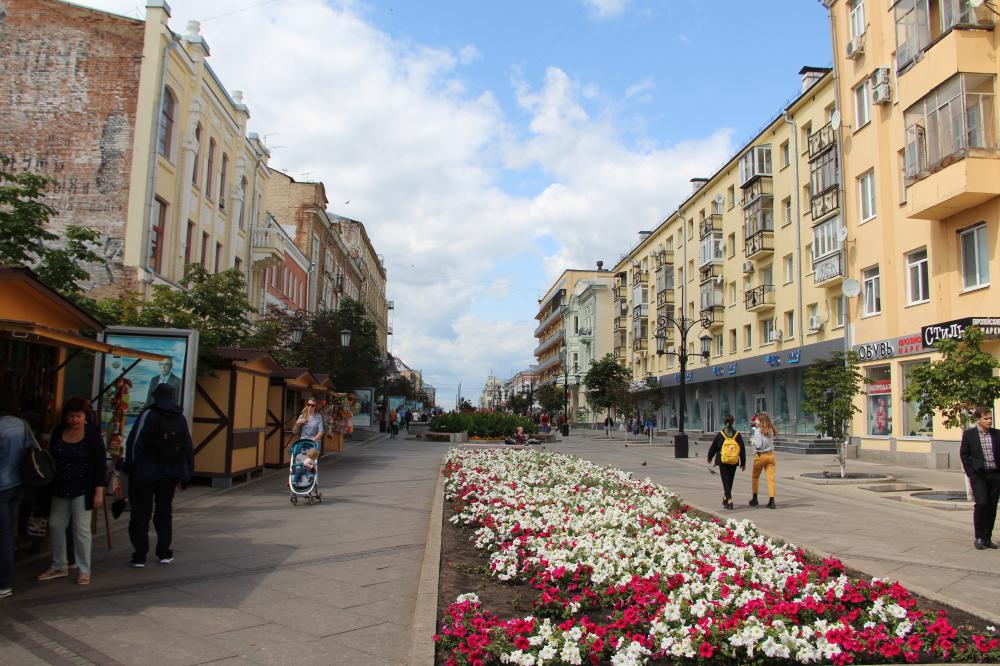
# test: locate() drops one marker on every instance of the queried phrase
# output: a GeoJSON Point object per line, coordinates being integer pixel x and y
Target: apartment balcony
{"type": "Point", "coordinates": [825, 203]}
{"type": "Point", "coordinates": [664, 297]}
{"type": "Point", "coordinates": [550, 319]}
{"type": "Point", "coordinates": [621, 353]}
{"type": "Point", "coordinates": [585, 333]}
{"type": "Point", "coordinates": [710, 271]}
{"type": "Point", "coordinates": [640, 344]}
{"type": "Point", "coordinates": [821, 140]}
{"type": "Point", "coordinates": [757, 188]}
{"type": "Point", "coordinates": [828, 271]}
{"type": "Point", "coordinates": [621, 323]}
{"type": "Point", "coordinates": [759, 298]}
{"type": "Point", "coordinates": [959, 50]}
{"type": "Point", "coordinates": [968, 178]}
{"type": "Point", "coordinates": [619, 293]}
{"type": "Point", "coordinates": [713, 315]}
{"type": "Point", "coordinates": [640, 277]}
{"type": "Point", "coordinates": [549, 342]}
{"type": "Point", "coordinates": [663, 257]}
{"type": "Point", "coordinates": [668, 332]}
{"type": "Point", "coordinates": [709, 225]}
{"type": "Point", "coordinates": [548, 364]}
{"type": "Point", "coordinates": [267, 247]}
{"type": "Point", "coordinates": [640, 311]}
{"type": "Point", "coordinates": [759, 244]}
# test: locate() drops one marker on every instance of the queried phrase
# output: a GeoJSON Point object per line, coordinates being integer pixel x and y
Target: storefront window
{"type": "Point", "coordinates": [879, 400]}
{"type": "Point", "coordinates": [696, 412]}
{"type": "Point", "coordinates": [781, 400]}
{"type": "Point", "coordinates": [914, 426]}
{"type": "Point", "coordinates": [742, 422]}
{"type": "Point", "coordinates": [726, 409]}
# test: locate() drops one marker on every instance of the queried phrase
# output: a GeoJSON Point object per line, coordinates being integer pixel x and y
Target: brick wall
{"type": "Point", "coordinates": [69, 78]}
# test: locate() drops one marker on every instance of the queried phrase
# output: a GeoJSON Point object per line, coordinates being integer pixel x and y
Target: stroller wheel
{"type": "Point", "coordinates": [294, 499]}
{"type": "Point", "coordinates": [319, 497]}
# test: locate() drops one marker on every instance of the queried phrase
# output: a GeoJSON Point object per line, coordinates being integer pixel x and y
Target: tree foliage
{"type": "Point", "coordinates": [519, 403]}
{"type": "Point", "coordinates": [654, 394]}
{"type": "Point", "coordinates": [550, 397]}
{"type": "Point", "coordinates": [482, 424]}
{"type": "Point", "coordinates": [830, 386]}
{"type": "Point", "coordinates": [961, 380]}
{"type": "Point", "coordinates": [607, 383]}
{"type": "Point", "coordinates": [274, 332]}
{"type": "Point", "coordinates": [360, 365]}
{"type": "Point", "coordinates": [24, 240]}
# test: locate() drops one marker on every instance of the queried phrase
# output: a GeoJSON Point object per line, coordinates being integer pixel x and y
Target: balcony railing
{"type": "Point", "coordinates": [640, 344]}
{"type": "Point", "coordinates": [640, 311]}
{"type": "Point", "coordinates": [665, 297]}
{"type": "Point", "coordinates": [827, 268]}
{"type": "Point", "coordinates": [548, 363]}
{"type": "Point", "coordinates": [621, 353]}
{"type": "Point", "coordinates": [712, 315]}
{"type": "Point", "coordinates": [267, 245]}
{"type": "Point", "coordinates": [710, 271]}
{"type": "Point", "coordinates": [761, 187]}
{"type": "Point", "coordinates": [548, 342]}
{"type": "Point", "coordinates": [555, 315]}
{"type": "Point", "coordinates": [585, 332]}
{"type": "Point", "coordinates": [663, 257]}
{"type": "Point", "coordinates": [619, 293]}
{"type": "Point", "coordinates": [621, 338]}
{"type": "Point", "coordinates": [760, 297]}
{"type": "Point", "coordinates": [640, 277]}
{"type": "Point", "coordinates": [821, 139]}
{"type": "Point", "coordinates": [710, 224]}
{"type": "Point", "coordinates": [621, 323]}
{"type": "Point", "coordinates": [825, 203]}
{"type": "Point", "coordinates": [759, 244]}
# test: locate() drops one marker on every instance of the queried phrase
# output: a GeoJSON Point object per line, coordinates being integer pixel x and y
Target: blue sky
{"type": "Point", "coordinates": [487, 146]}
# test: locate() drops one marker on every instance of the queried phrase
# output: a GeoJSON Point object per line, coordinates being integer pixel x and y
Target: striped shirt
{"type": "Point", "coordinates": [986, 442]}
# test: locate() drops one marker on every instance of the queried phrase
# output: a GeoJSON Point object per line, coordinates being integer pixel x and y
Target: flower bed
{"type": "Point", "coordinates": [625, 575]}
{"type": "Point", "coordinates": [482, 425]}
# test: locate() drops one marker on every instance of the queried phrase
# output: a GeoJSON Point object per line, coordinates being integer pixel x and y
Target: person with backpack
{"type": "Point", "coordinates": [729, 453]}
{"type": "Point", "coordinates": [159, 456]}
{"type": "Point", "coordinates": [763, 446]}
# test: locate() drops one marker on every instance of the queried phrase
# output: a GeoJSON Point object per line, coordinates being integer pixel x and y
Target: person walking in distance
{"type": "Point", "coordinates": [980, 454]}
{"type": "Point", "coordinates": [729, 452]}
{"type": "Point", "coordinates": [158, 457]}
{"type": "Point", "coordinates": [763, 446]}
{"type": "Point", "coordinates": [609, 423]}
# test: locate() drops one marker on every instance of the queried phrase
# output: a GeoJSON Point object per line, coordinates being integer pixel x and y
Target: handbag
{"type": "Point", "coordinates": [38, 468]}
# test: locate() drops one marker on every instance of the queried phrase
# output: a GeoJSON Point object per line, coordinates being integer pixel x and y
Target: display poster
{"type": "Point", "coordinates": [119, 407]}
{"type": "Point", "coordinates": [363, 408]}
{"type": "Point", "coordinates": [395, 402]}
{"type": "Point", "coordinates": [880, 407]}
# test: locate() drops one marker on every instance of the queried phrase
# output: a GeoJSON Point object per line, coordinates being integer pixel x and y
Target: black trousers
{"type": "Point", "coordinates": [728, 473]}
{"type": "Point", "coordinates": [986, 492]}
{"type": "Point", "coordinates": [142, 498]}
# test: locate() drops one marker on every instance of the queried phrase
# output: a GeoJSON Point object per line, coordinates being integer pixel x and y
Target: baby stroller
{"type": "Point", "coordinates": [303, 472]}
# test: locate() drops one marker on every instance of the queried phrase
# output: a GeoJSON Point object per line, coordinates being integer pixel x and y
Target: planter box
{"type": "Point", "coordinates": [451, 436]}
{"type": "Point", "coordinates": [419, 429]}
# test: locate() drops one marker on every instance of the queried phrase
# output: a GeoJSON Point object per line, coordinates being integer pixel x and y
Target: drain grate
{"type": "Point", "coordinates": [943, 496]}
{"type": "Point", "coordinates": [894, 487]}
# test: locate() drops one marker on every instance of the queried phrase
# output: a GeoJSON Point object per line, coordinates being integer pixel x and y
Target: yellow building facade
{"type": "Point", "coordinates": [550, 332]}
{"type": "Point", "coordinates": [750, 266]}
{"type": "Point", "coordinates": [916, 80]}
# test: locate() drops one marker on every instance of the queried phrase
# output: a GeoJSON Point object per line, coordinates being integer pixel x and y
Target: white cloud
{"type": "Point", "coordinates": [419, 151]}
{"type": "Point", "coordinates": [639, 88]}
{"type": "Point", "coordinates": [606, 8]}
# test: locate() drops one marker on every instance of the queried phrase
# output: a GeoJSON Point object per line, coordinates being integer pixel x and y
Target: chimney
{"type": "Point", "coordinates": [810, 75]}
{"type": "Point", "coordinates": [697, 184]}
{"type": "Point", "coordinates": [600, 265]}
{"type": "Point", "coordinates": [643, 235]}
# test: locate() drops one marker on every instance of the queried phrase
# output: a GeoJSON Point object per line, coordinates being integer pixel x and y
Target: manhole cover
{"type": "Point", "coordinates": [894, 487]}
{"type": "Point", "coordinates": [943, 496]}
{"type": "Point", "coordinates": [849, 475]}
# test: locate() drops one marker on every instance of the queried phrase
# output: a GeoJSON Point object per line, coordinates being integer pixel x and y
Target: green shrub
{"type": "Point", "coordinates": [479, 424]}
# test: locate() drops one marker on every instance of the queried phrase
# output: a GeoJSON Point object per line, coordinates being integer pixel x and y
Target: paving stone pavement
{"type": "Point", "coordinates": [256, 580]}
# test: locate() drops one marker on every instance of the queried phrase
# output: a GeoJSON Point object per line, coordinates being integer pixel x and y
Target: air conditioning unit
{"type": "Point", "coordinates": [815, 323]}
{"type": "Point", "coordinates": [882, 94]}
{"type": "Point", "coordinates": [747, 266]}
{"type": "Point", "coordinates": [775, 335]}
{"type": "Point", "coordinates": [881, 81]}
{"type": "Point", "coordinates": [856, 47]}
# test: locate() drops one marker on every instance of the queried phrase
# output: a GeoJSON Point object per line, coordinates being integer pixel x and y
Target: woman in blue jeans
{"type": "Point", "coordinates": [15, 439]}
{"type": "Point", "coordinates": [79, 454]}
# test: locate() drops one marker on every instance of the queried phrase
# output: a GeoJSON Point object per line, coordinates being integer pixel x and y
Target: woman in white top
{"type": "Point", "coordinates": [762, 440]}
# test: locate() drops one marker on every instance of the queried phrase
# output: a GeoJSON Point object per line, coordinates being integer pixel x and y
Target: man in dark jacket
{"type": "Point", "coordinates": [159, 456]}
{"type": "Point", "coordinates": [980, 454]}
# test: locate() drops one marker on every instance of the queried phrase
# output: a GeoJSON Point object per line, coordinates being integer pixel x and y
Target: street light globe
{"type": "Point", "coordinates": [345, 338]}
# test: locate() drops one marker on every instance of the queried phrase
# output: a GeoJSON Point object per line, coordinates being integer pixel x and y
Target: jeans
{"type": "Point", "coordinates": [986, 492]}
{"type": "Point", "coordinates": [728, 473]}
{"type": "Point", "coordinates": [142, 498]}
{"type": "Point", "coordinates": [59, 516]}
{"type": "Point", "coordinates": [9, 501]}
{"type": "Point", "coordinates": [763, 462]}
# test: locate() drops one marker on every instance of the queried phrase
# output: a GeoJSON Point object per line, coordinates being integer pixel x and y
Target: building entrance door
{"type": "Point", "coordinates": [759, 403]}
{"type": "Point", "coordinates": [710, 424]}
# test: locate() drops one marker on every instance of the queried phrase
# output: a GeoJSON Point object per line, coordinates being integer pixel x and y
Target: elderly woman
{"type": "Point", "coordinates": [79, 455]}
{"type": "Point", "coordinates": [310, 422]}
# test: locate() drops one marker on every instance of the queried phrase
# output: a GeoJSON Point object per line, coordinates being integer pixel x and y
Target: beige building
{"type": "Point", "coordinates": [587, 332]}
{"type": "Point", "coordinates": [921, 186]}
{"type": "Point", "coordinates": [750, 266]}
{"type": "Point", "coordinates": [368, 271]}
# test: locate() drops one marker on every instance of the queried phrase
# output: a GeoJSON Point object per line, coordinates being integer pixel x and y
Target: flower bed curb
{"type": "Point", "coordinates": [944, 505]}
{"type": "Point", "coordinates": [837, 481]}
{"type": "Point", "coordinates": [424, 624]}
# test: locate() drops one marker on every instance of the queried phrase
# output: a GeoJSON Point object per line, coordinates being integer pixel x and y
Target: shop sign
{"type": "Point", "coordinates": [880, 387]}
{"type": "Point", "coordinates": [793, 356]}
{"type": "Point", "coordinates": [773, 360]}
{"type": "Point", "coordinates": [717, 371]}
{"type": "Point", "coordinates": [891, 348]}
{"type": "Point", "coordinates": [732, 369]}
{"type": "Point", "coordinates": [930, 335]}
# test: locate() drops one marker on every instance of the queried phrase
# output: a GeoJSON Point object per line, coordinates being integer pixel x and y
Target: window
{"type": "Point", "coordinates": [826, 238]}
{"type": "Point", "coordinates": [975, 257]}
{"type": "Point", "coordinates": [822, 175]}
{"type": "Point", "coordinates": [917, 283]}
{"type": "Point", "coordinates": [204, 250]}
{"type": "Point", "coordinates": [872, 291]}
{"type": "Point", "coordinates": [188, 244]}
{"type": "Point", "coordinates": [158, 235]}
{"type": "Point", "coordinates": [862, 105]}
{"type": "Point", "coordinates": [866, 195]}
{"type": "Point", "coordinates": [747, 336]}
{"type": "Point", "coordinates": [756, 162]}
{"type": "Point", "coordinates": [690, 229]}
{"type": "Point", "coordinates": [767, 331]}
{"type": "Point", "coordinates": [731, 195]}
{"type": "Point", "coordinates": [241, 219]}
{"type": "Point", "coordinates": [788, 262]}
{"type": "Point", "coordinates": [711, 249]}
{"type": "Point", "coordinates": [901, 165]}
{"type": "Point", "coordinates": [790, 324]}
{"type": "Point", "coordinates": [786, 206]}
{"type": "Point", "coordinates": [879, 400]}
{"type": "Point", "coordinates": [732, 341]}
{"type": "Point", "coordinates": [786, 158]}
{"type": "Point", "coordinates": [196, 170]}
{"type": "Point", "coordinates": [956, 115]}
{"type": "Point", "coordinates": [840, 310]}
{"type": "Point", "coordinates": [222, 181]}
{"type": "Point", "coordinates": [165, 140]}
{"type": "Point", "coordinates": [731, 243]}
{"type": "Point", "coordinates": [914, 425]}
{"type": "Point", "coordinates": [812, 312]}
{"type": "Point", "coordinates": [920, 22]}
{"type": "Point", "coordinates": [732, 292]}
{"type": "Point", "coordinates": [210, 169]}
{"type": "Point", "coordinates": [857, 18]}
{"type": "Point", "coordinates": [218, 256]}
{"type": "Point", "coordinates": [711, 295]}
{"type": "Point", "coordinates": [691, 270]}
{"type": "Point", "coordinates": [719, 349]}
{"type": "Point", "coordinates": [238, 265]}
{"type": "Point", "coordinates": [809, 253]}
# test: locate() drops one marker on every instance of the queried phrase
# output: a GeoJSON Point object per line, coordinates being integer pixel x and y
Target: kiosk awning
{"type": "Point", "coordinates": [44, 335]}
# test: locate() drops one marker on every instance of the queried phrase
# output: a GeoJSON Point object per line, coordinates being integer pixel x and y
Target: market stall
{"type": "Point", "coordinates": [287, 392]}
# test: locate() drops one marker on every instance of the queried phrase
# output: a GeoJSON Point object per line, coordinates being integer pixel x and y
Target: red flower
{"type": "Point", "coordinates": [706, 650]}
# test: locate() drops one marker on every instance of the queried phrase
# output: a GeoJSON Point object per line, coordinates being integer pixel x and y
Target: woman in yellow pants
{"type": "Point", "coordinates": [763, 446]}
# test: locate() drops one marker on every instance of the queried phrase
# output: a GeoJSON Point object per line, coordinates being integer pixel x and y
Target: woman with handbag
{"type": "Point", "coordinates": [763, 446]}
{"type": "Point", "coordinates": [79, 454]}
{"type": "Point", "coordinates": [310, 423]}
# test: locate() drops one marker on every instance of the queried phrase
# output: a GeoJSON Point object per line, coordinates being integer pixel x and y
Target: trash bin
{"type": "Point", "coordinates": [565, 430]}
{"type": "Point", "coordinates": [681, 445]}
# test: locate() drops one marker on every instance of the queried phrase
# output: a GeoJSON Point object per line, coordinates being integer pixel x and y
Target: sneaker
{"type": "Point", "coordinates": [50, 574]}
{"type": "Point", "coordinates": [135, 564]}
{"type": "Point", "coordinates": [6, 592]}
{"type": "Point", "coordinates": [166, 560]}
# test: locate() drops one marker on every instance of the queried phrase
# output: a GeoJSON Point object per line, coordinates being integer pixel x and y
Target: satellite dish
{"type": "Point", "coordinates": [850, 287]}
{"type": "Point", "coordinates": [976, 3]}
{"type": "Point", "coordinates": [719, 199]}
{"type": "Point", "coordinates": [835, 119]}
{"type": "Point", "coordinates": [718, 279]}
{"type": "Point", "coordinates": [842, 234]}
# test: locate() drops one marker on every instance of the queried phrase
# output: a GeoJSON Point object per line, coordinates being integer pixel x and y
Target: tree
{"type": "Point", "coordinates": [24, 240]}
{"type": "Point", "coordinates": [607, 383]}
{"type": "Point", "coordinates": [215, 304]}
{"type": "Point", "coordinates": [550, 397]}
{"type": "Point", "coordinates": [519, 403]}
{"type": "Point", "coordinates": [654, 394]}
{"type": "Point", "coordinates": [360, 365]}
{"type": "Point", "coordinates": [273, 332]}
{"type": "Point", "coordinates": [400, 386]}
{"type": "Point", "coordinates": [957, 383]}
{"type": "Point", "coordinates": [830, 386]}
{"type": "Point", "coordinates": [466, 406]}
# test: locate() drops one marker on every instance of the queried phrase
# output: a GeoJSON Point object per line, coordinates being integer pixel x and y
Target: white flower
{"type": "Point", "coordinates": [468, 596]}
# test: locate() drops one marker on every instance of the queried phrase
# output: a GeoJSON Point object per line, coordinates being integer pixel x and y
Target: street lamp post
{"type": "Point", "coordinates": [683, 325]}
{"type": "Point", "coordinates": [565, 364]}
